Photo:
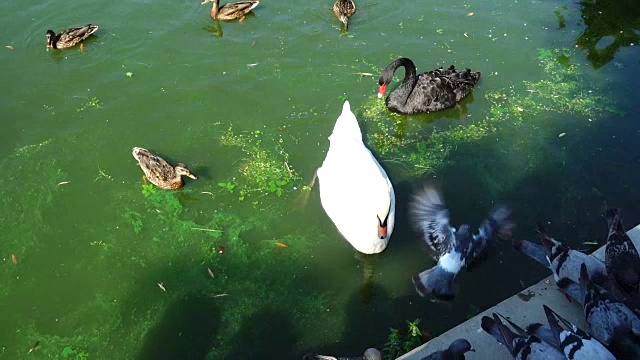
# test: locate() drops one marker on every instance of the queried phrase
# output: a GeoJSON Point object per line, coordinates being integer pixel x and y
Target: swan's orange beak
{"type": "Point", "coordinates": [382, 231]}
{"type": "Point", "coordinates": [381, 91]}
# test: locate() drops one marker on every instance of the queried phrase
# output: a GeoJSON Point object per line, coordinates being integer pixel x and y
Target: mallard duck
{"type": "Point", "coordinates": [231, 11]}
{"type": "Point", "coordinates": [344, 9]}
{"type": "Point", "coordinates": [69, 37]}
{"type": "Point", "coordinates": [355, 191]}
{"type": "Point", "coordinates": [159, 172]}
{"type": "Point", "coordinates": [428, 92]}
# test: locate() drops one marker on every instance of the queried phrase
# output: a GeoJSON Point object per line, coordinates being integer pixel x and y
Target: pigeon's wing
{"type": "Point", "coordinates": [606, 316]}
{"type": "Point", "coordinates": [497, 226]}
{"type": "Point", "coordinates": [430, 217]}
{"type": "Point", "coordinates": [621, 256]}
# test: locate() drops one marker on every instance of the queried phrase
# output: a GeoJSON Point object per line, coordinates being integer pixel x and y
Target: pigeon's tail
{"type": "Point", "coordinates": [614, 222]}
{"type": "Point", "coordinates": [532, 250]}
{"type": "Point", "coordinates": [437, 282]}
{"type": "Point", "coordinates": [555, 330]}
{"type": "Point", "coordinates": [573, 290]}
{"type": "Point", "coordinates": [494, 327]}
{"type": "Point", "coordinates": [544, 333]}
{"type": "Point", "coordinates": [546, 240]}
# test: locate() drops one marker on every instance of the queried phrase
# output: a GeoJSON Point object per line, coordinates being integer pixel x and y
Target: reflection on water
{"type": "Point", "coordinates": [610, 25]}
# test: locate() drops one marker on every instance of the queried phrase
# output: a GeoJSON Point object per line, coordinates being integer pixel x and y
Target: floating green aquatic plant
{"type": "Point", "coordinates": [266, 168]}
{"type": "Point", "coordinates": [94, 102]}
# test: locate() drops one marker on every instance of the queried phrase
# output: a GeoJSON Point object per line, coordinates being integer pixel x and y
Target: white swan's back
{"type": "Point", "coordinates": [354, 189]}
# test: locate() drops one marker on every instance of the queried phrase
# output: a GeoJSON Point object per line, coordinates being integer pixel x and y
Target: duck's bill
{"type": "Point", "coordinates": [204, 2]}
{"type": "Point", "coordinates": [193, 176]}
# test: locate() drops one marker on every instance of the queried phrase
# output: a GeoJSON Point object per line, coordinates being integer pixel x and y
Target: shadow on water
{"type": "Point", "coordinates": [366, 306]}
{"type": "Point", "coordinates": [186, 331]}
{"type": "Point", "coordinates": [610, 25]}
{"type": "Point", "coordinates": [267, 334]}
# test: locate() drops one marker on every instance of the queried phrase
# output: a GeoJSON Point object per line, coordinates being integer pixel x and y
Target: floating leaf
{"type": "Point", "coordinates": [281, 244]}
{"type": "Point", "coordinates": [14, 259]}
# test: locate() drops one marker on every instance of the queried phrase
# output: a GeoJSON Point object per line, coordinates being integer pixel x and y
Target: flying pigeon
{"type": "Point", "coordinates": [369, 354]}
{"type": "Point", "coordinates": [455, 351]}
{"type": "Point", "coordinates": [452, 249]}
{"type": "Point", "coordinates": [563, 261]}
{"type": "Point", "coordinates": [572, 341]}
{"type": "Point", "coordinates": [621, 257]}
{"type": "Point", "coordinates": [610, 320]}
{"type": "Point", "coordinates": [521, 346]}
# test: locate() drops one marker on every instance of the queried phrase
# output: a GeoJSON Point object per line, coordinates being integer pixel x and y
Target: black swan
{"type": "Point", "coordinates": [428, 92]}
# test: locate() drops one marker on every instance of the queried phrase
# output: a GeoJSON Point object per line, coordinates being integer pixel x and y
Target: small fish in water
{"type": "Point", "coordinates": [9, 47]}
{"type": "Point", "coordinates": [281, 244]}
{"type": "Point", "coordinates": [210, 273]}
{"type": "Point", "coordinates": [161, 285]}
{"type": "Point", "coordinates": [63, 182]}
{"type": "Point", "coordinates": [14, 259]}
{"type": "Point", "coordinates": [35, 346]}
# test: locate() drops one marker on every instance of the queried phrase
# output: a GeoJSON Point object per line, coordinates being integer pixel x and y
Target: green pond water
{"type": "Point", "coordinates": [550, 127]}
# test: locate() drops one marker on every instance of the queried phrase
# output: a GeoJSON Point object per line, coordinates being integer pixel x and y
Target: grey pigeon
{"type": "Point", "coordinates": [610, 320]}
{"type": "Point", "coordinates": [369, 354]}
{"type": "Point", "coordinates": [452, 249]}
{"type": "Point", "coordinates": [455, 351]}
{"type": "Point", "coordinates": [572, 341]}
{"type": "Point", "coordinates": [621, 256]}
{"type": "Point", "coordinates": [563, 261]}
{"type": "Point", "coordinates": [521, 346]}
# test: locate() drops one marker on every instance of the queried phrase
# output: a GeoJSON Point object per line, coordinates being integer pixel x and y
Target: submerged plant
{"type": "Point", "coordinates": [399, 342]}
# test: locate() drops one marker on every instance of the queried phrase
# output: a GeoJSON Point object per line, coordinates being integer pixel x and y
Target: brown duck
{"type": "Point", "coordinates": [159, 172]}
{"type": "Point", "coordinates": [231, 11]}
{"type": "Point", "coordinates": [69, 37]}
{"type": "Point", "coordinates": [344, 9]}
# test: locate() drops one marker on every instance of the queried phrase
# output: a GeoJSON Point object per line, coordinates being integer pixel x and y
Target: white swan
{"type": "Point", "coordinates": [355, 191]}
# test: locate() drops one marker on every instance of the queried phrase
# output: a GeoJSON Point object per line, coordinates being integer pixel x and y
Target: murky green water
{"type": "Point", "coordinates": [92, 243]}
